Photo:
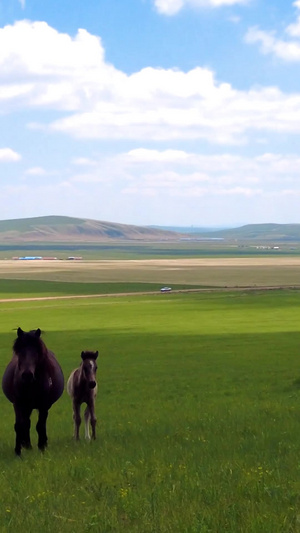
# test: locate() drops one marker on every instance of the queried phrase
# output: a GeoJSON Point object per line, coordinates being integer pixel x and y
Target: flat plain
{"type": "Point", "coordinates": [209, 271]}
{"type": "Point", "coordinates": [198, 403]}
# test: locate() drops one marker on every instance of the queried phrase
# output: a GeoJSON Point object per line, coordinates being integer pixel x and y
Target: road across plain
{"type": "Point", "coordinates": [145, 293]}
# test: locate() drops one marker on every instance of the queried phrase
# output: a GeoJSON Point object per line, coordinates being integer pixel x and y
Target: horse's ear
{"type": "Point", "coordinates": [82, 355]}
{"type": "Point", "coordinates": [96, 354]}
{"type": "Point", "coordinates": [20, 332]}
{"type": "Point", "coordinates": [37, 332]}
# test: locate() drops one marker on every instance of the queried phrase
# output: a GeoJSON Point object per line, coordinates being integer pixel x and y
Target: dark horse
{"type": "Point", "coordinates": [32, 380]}
{"type": "Point", "coordinates": [82, 387]}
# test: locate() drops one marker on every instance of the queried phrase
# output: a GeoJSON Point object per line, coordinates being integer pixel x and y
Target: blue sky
{"type": "Point", "coordinates": [170, 112]}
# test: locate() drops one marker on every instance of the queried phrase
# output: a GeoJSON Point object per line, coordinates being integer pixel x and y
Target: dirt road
{"type": "Point", "coordinates": [144, 293]}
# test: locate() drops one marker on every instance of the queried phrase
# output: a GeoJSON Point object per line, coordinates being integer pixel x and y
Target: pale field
{"type": "Point", "coordinates": [221, 272]}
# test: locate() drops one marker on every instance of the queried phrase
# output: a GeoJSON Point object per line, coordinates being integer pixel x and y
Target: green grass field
{"type": "Point", "coordinates": [36, 288]}
{"type": "Point", "coordinates": [198, 417]}
{"type": "Point", "coordinates": [50, 277]}
{"type": "Point", "coordinates": [152, 250]}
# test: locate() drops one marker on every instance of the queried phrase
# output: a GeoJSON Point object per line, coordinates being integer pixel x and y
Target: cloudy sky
{"type": "Point", "coordinates": [169, 112]}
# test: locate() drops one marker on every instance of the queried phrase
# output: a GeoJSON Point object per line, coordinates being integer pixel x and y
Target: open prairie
{"type": "Point", "coordinates": [218, 272]}
{"type": "Point", "coordinates": [198, 407]}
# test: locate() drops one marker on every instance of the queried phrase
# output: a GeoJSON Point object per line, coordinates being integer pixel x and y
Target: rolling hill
{"type": "Point", "coordinates": [61, 229]}
{"type": "Point", "coordinates": [259, 232]}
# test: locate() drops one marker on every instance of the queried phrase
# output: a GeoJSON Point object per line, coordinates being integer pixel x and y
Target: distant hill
{"type": "Point", "coordinates": [60, 229]}
{"type": "Point", "coordinates": [259, 232]}
{"type": "Point", "coordinates": [187, 229]}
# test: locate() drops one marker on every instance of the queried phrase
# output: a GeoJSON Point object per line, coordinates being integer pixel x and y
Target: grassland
{"type": "Point", "coordinates": [131, 250]}
{"type": "Point", "coordinates": [198, 406]}
{"type": "Point", "coordinates": [200, 272]}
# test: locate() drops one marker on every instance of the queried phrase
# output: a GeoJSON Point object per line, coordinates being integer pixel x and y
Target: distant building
{"type": "Point", "coordinates": [30, 258]}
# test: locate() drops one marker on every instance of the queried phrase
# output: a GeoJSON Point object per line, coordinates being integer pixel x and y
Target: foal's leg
{"type": "Point", "coordinates": [92, 418]}
{"type": "Point", "coordinates": [87, 422]}
{"type": "Point", "coordinates": [41, 428]}
{"type": "Point", "coordinates": [22, 428]}
{"type": "Point", "coordinates": [76, 418]}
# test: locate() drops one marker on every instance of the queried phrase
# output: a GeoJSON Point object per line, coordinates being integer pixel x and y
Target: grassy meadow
{"type": "Point", "coordinates": [115, 250]}
{"type": "Point", "coordinates": [109, 275]}
{"type": "Point", "coordinates": [198, 416]}
{"type": "Point", "coordinates": [198, 404]}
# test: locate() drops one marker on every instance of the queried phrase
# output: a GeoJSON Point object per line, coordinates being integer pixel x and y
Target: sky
{"type": "Point", "coordinates": [151, 112]}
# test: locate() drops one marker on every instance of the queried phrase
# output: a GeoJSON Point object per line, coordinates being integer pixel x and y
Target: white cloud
{"type": "Point", "coordinates": [8, 155]}
{"type": "Point", "coordinates": [43, 69]}
{"type": "Point", "coordinates": [36, 171]}
{"type": "Point", "coordinates": [142, 155]}
{"type": "Point", "coordinates": [241, 191]}
{"type": "Point", "coordinates": [234, 19]}
{"type": "Point", "coordinates": [215, 112]}
{"type": "Point", "coordinates": [62, 56]}
{"type": "Point", "coordinates": [171, 7]}
{"type": "Point", "coordinates": [84, 161]}
{"type": "Point", "coordinates": [146, 172]}
{"type": "Point", "coordinates": [87, 178]}
{"type": "Point", "coordinates": [153, 183]}
{"type": "Point", "coordinates": [239, 174]}
{"type": "Point", "coordinates": [284, 48]}
{"type": "Point", "coordinates": [294, 29]}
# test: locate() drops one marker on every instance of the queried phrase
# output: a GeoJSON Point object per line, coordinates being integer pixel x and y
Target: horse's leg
{"type": "Point", "coordinates": [92, 416]}
{"type": "Point", "coordinates": [26, 432]}
{"type": "Point", "coordinates": [87, 422]}
{"type": "Point", "coordinates": [25, 442]}
{"type": "Point", "coordinates": [41, 428]}
{"type": "Point", "coordinates": [76, 418]}
{"type": "Point", "coordinates": [22, 428]}
{"type": "Point", "coordinates": [18, 430]}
